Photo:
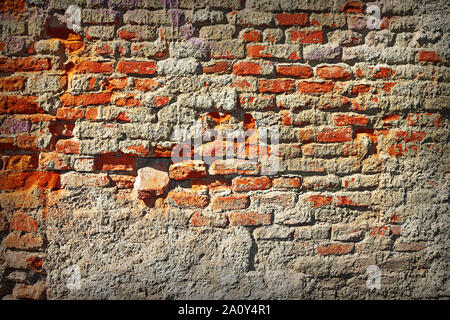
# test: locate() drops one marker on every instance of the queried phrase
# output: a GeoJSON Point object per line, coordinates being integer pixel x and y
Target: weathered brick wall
{"type": "Point", "coordinates": [88, 183]}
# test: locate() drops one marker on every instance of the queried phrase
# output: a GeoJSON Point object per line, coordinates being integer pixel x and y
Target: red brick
{"type": "Point", "coordinates": [333, 73]}
{"type": "Point", "coordinates": [429, 56]}
{"type": "Point", "coordinates": [344, 120]}
{"type": "Point", "coordinates": [295, 71]}
{"type": "Point", "coordinates": [68, 146]}
{"type": "Point", "coordinates": [87, 99]}
{"type": "Point", "coordinates": [387, 87]}
{"type": "Point", "coordinates": [52, 161]}
{"type": "Point", "coordinates": [250, 219]}
{"type": "Point", "coordinates": [62, 129]}
{"type": "Point", "coordinates": [7, 144]}
{"type": "Point", "coordinates": [353, 7]}
{"type": "Point", "coordinates": [11, 84]}
{"type": "Point", "coordinates": [122, 181]}
{"type": "Point", "coordinates": [315, 87]}
{"type": "Point", "coordinates": [383, 73]}
{"type": "Point", "coordinates": [27, 180]}
{"type": "Point", "coordinates": [251, 184]}
{"type": "Point", "coordinates": [12, 6]}
{"type": "Point", "coordinates": [252, 36]}
{"type": "Point", "coordinates": [219, 67]}
{"type": "Point", "coordinates": [136, 67]}
{"type": "Point", "coordinates": [69, 114]}
{"type": "Point", "coordinates": [27, 142]}
{"type": "Point", "coordinates": [289, 19]}
{"type": "Point", "coordinates": [146, 84]}
{"type": "Point", "coordinates": [410, 246]}
{"type": "Point", "coordinates": [287, 183]}
{"type": "Point", "coordinates": [152, 180]}
{"type": "Point", "coordinates": [161, 101]}
{"type": "Point", "coordinates": [320, 201]}
{"type": "Point", "coordinates": [104, 49]}
{"type": "Point", "coordinates": [23, 222]}
{"type": "Point", "coordinates": [362, 88]}
{"type": "Point", "coordinates": [188, 198]}
{"type": "Point", "coordinates": [335, 249]}
{"type": "Point", "coordinates": [247, 68]}
{"type": "Point", "coordinates": [127, 100]}
{"type": "Point", "coordinates": [123, 34]}
{"type": "Point", "coordinates": [307, 36]}
{"type": "Point", "coordinates": [233, 202]}
{"type": "Point", "coordinates": [206, 219]}
{"type": "Point", "coordinates": [379, 231]}
{"type": "Point", "coordinates": [343, 201]}
{"type": "Point", "coordinates": [254, 51]}
{"type": "Point", "coordinates": [11, 181]}
{"type": "Point", "coordinates": [233, 166]}
{"type": "Point", "coordinates": [212, 184]}
{"type": "Point", "coordinates": [91, 113]}
{"type": "Point", "coordinates": [9, 65]}
{"type": "Point", "coordinates": [28, 241]}
{"type": "Point", "coordinates": [78, 180]}
{"type": "Point", "coordinates": [94, 67]}
{"type": "Point", "coordinates": [115, 163]}
{"type": "Point", "coordinates": [187, 169]}
{"type": "Point", "coordinates": [19, 104]}
{"type": "Point", "coordinates": [276, 85]}
{"type": "Point", "coordinates": [335, 135]}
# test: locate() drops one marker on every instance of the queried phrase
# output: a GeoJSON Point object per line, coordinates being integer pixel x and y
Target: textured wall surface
{"type": "Point", "coordinates": [93, 206]}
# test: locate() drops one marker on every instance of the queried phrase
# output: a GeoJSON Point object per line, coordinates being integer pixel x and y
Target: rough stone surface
{"type": "Point", "coordinates": [93, 204]}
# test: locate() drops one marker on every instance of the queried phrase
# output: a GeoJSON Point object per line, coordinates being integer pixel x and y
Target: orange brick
{"type": "Point", "coordinates": [21, 162]}
{"type": "Point", "coordinates": [251, 184]}
{"type": "Point", "coordinates": [11, 84]}
{"type": "Point", "coordinates": [276, 85]}
{"type": "Point", "coordinates": [289, 19]}
{"type": "Point", "coordinates": [87, 99]}
{"type": "Point", "coordinates": [344, 120]}
{"type": "Point", "coordinates": [27, 142]}
{"type": "Point", "coordinates": [136, 67]}
{"type": "Point", "coordinates": [429, 56]}
{"type": "Point", "coordinates": [187, 169]}
{"type": "Point", "coordinates": [247, 68]}
{"type": "Point", "coordinates": [335, 135]}
{"type": "Point", "coordinates": [333, 73]}
{"type": "Point", "coordinates": [68, 146]}
{"type": "Point", "coordinates": [353, 7]}
{"type": "Point", "coordinates": [19, 104]}
{"type": "Point", "coordinates": [188, 199]}
{"type": "Point", "coordinates": [315, 87]}
{"type": "Point", "coordinates": [115, 163]}
{"type": "Point", "coordinates": [23, 222]}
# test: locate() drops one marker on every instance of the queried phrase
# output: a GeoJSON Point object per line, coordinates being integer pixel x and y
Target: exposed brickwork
{"type": "Point", "coordinates": [88, 140]}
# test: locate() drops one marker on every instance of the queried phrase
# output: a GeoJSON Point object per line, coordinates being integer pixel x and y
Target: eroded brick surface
{"type": "Point", "coordinates": [95, 175]}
